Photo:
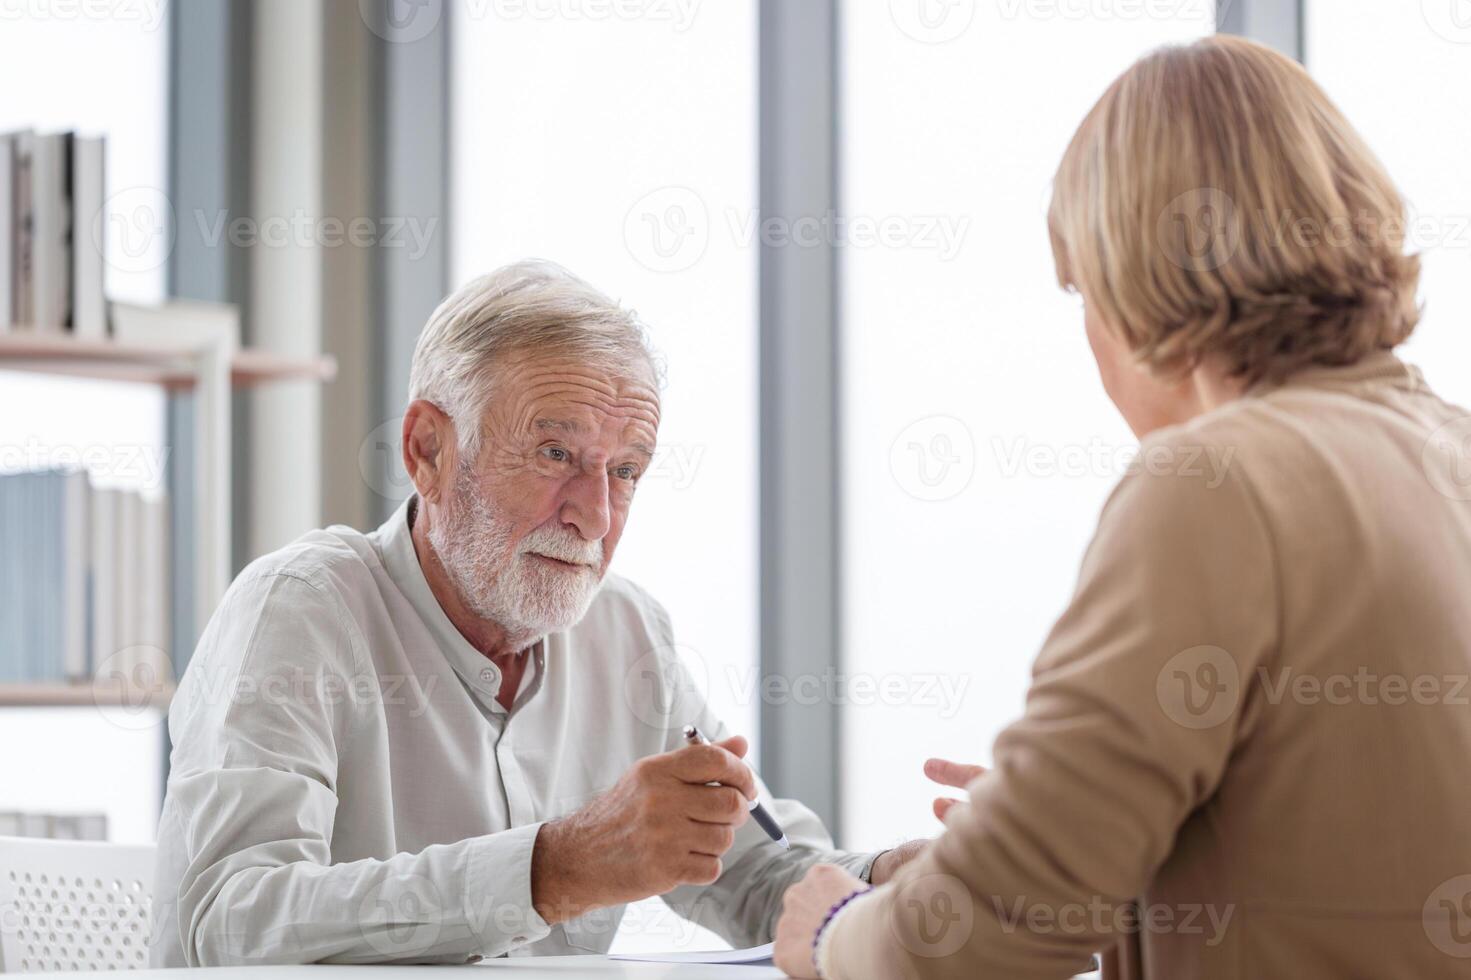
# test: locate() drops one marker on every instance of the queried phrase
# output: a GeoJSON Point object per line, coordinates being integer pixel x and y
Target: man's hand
{"type": "Point", "coordinates": [889, 862]}
{"type": "Point", "coordinates": [803, 909]}
{"type": "Point", "coordinates": [947, 773]}
{"type": "Point", "coordinates": [659, 827]}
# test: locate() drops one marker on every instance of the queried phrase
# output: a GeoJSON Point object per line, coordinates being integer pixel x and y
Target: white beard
{"type": "Point", "coordinates": [505, 583]}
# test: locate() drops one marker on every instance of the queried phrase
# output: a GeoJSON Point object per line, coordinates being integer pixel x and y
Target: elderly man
{"type": "Point", "coordinates": [457, 736]}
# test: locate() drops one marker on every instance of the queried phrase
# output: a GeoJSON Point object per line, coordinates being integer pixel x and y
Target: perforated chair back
{"type": "Point", "coordinates": [74, 905]}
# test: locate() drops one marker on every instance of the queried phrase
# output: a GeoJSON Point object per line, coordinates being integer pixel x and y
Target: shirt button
{"type": "Point", "coordinates": [519, 939]}
{"type": "Point", "coordinates": [487, 674]}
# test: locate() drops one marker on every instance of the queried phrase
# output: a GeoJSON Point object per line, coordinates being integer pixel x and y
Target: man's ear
{"type": "Point", "coordinates": [429, 446]}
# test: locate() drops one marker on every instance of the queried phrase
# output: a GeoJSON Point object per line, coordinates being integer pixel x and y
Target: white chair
{"type": "Point", "coordinates": [74, 905]}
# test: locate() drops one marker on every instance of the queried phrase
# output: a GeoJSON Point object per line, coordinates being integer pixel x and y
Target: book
{"type": "Point", "coordinates": [11, 664]}
{"type": "Point", "coordinates": [30, 541]}
{"type": "Point", "coordinates": [85, 589]}
{"type": "Point", "coordinates": [126, 552]}
{"type": "Point", "coordinates": [103, 620]}
{"type": "Point", "coordinates": [157, 616]}
{"type": "Point", "coordinates": [23, 284]}
{"type": "Point", "coordinates": [24, 596]}
{"type": "Point", "coordinates": [7, 231]}
{"type": "Point", "coordinates": [44, 576]}
{"type": "Point", "coordinates": [50, 231]}
{"type": "Point", "coordinates": [42, 584]}
{"type": "Point", "coordinates": [755, 956]}
{"type": "Point", "coordinates": [88, 237]}
{"type": "Point", "coordinates": [76, 547]}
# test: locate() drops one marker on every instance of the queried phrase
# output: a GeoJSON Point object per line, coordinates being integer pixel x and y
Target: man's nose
{"type": "Point", "coordinates": [587, 507]}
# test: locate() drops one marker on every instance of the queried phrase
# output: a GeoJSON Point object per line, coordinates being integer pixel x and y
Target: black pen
{"type": "Point", "coordinates": [693, 736]}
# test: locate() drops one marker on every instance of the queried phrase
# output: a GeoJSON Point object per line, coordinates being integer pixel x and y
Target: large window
{"type": "Point", "coordinates": [978, 442]}
{"type": "Point", "coordinates": [624, 147]}
{"type": "Point", "coordinates": [99, 70]}
{"type": "Point", "coordinates": [620, 141]}
{"type": "Point", "coordinates": [1401, 72]}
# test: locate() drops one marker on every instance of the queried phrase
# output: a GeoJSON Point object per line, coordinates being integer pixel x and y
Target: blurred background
{"type": "Point", "coordinates": [884, 444]}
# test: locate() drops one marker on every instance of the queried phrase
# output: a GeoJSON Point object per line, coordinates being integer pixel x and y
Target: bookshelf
{"type": "Point", "coordinates": [161, 364]}
{"type": "Point", "coordinates": [58, 695]}
{"type": "Point", "coordinates": [197, 353]}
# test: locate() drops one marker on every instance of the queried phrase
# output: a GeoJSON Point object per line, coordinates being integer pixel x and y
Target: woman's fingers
{"type": "Point", "coordinates": [947, 773]}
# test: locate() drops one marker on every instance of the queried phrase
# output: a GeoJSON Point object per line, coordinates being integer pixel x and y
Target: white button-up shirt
{"type": "Point", "coordinates": [344, 786]}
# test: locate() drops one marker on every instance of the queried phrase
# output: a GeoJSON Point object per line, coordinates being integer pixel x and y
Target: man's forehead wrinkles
{"type": "Point", "coordinates": [595, 396]}
{"type": "Point", "coordinates": [554, 382]}
{"type": "Point", "coordinates": [571, 373]}
{"type": "Point", "coordinates": [576, 409]}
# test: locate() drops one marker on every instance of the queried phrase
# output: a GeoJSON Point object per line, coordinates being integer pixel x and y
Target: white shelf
{"type": "Point", "coordinates": [59, 694]}
{"type": "Point", "coordinates": [24, 349]}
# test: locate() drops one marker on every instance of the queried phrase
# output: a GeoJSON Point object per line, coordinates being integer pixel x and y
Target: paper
{"type": "Point", "coordinates": [755, 956]}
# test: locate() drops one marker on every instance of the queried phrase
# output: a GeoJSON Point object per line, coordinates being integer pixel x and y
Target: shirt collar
{"type": "Point", "coordinates": [395, 544]}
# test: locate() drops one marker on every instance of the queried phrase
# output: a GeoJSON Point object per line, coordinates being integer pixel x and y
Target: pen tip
{"type": "Point", "coordinates": [786, 844]}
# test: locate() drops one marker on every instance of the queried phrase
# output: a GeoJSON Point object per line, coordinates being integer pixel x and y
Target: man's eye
{"type": "Point", "coordinates": [556, 454]}
{"type": "Point", "coordinates": [626, 472]}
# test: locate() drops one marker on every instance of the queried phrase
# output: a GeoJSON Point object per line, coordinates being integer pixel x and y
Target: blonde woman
{"type": "Point", "coordinates": [1246, 745]}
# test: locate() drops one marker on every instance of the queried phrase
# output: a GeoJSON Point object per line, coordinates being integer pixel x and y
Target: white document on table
{"type": "Point", "coordinates": [755, 956]}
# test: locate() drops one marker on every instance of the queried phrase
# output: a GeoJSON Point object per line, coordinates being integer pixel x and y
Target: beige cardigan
{"type": "Point", "coordinates": [1253, 719]}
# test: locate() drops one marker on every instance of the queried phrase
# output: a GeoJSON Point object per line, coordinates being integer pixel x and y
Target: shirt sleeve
{"type": "Point", "coordinates": [1138, 699]}
{"type": "Point", "coordinates": [742, 905]}
{"type": "Point", "coordinates": [259, 720]}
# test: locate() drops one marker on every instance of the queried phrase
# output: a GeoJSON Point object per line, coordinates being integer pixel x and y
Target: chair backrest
{"type": "Point", "coordinates": [74, 905]}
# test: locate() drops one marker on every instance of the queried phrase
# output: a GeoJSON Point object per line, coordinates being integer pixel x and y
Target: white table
{"type": "Point", "coordinates": [530, 966]}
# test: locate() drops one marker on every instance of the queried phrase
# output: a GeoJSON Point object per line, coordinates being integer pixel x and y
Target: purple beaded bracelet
{"type": "Point", "coordinates": [832, 914]}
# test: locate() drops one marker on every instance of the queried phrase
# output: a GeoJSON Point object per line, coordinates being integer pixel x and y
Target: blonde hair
{"type": "Point", "coordinates": [532, 306]}
{"type": "Point", "coordinates": [1215, 203]}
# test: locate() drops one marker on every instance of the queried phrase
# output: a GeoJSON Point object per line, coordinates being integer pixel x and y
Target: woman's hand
{"type": "Point", "coordinates": [803, 910]}
{"type": "Point", "coordinates": [954, 774]}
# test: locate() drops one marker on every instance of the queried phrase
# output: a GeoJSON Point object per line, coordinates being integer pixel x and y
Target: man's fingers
{"type": "Point", "coordinates": [948, 773]}
{"type": "Point", "coordinates": [944, 807]}
{"type": "Point", "coordinates": [736, 745]}
{"type": "Point", "coordinates": [699, 869]}
{"type": "Point", "coordinates": [713, 764]}
{"type": "Point", "coordinates": [710, 839]}
{"type": "Point", "coordinates": [714, 804]}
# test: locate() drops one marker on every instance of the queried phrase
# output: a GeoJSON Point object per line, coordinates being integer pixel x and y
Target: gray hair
{"type": "Point", "coordinates": [532, 306]}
